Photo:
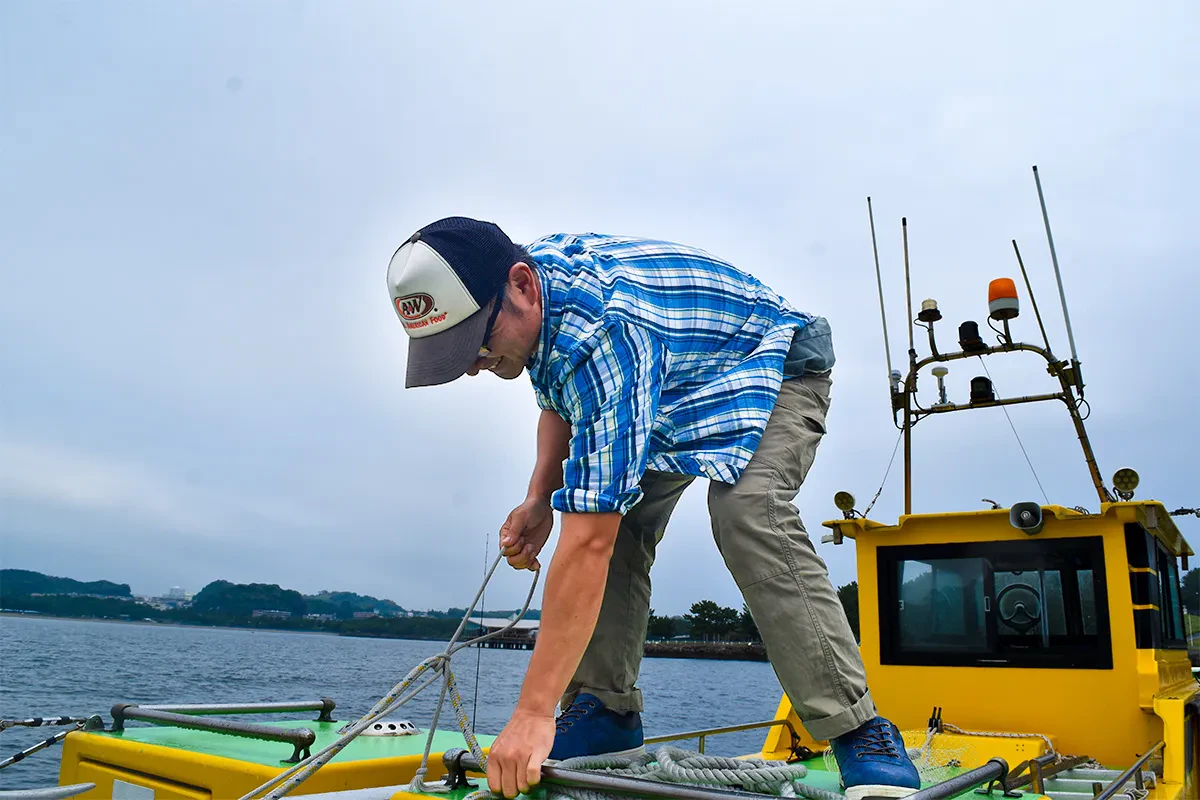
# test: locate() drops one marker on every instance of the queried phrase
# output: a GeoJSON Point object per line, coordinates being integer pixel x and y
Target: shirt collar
{"type": "Point", "coordinates": [539, 362]}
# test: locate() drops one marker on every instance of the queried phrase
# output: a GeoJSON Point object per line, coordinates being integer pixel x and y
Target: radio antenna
{"type": "Point", "coordinates": [1032, 299]}
{"type": "Point", "coordinates": [879, 280]}
{"type": "Point", "coordinates": [1057, 274]}
{"type": "Point", "coordinates": [907, 284]}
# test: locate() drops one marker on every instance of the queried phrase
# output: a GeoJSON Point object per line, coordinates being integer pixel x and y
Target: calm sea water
{"type": "Point", "coordinates": [79, 667]}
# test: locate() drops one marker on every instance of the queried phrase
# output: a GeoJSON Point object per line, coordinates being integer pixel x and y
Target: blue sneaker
{"type": "Point", "coordinates": [587, 728]}
{"type": "Point", "coordinates": [873, 762]}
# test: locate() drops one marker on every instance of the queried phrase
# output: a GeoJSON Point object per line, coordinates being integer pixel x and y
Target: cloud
{"type": "Point", "coordinates": [36, 473]}
{"type": "Point", "coordinates": [202, 376]}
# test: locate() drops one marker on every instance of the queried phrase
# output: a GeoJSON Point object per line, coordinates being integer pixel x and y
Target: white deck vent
{"type": "Point", "coordinates": [400, 727]}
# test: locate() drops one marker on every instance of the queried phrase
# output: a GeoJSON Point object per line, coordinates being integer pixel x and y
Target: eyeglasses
{"type": "Point", "coordinates": [484, 350]}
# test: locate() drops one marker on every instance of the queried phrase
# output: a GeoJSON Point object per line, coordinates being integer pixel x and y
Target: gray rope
{"type": "Point", "coordinates": [49, 793]}
{"type": "Point", "coordinates": [673, 765]}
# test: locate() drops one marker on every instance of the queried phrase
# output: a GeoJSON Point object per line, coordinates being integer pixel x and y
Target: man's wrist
{"type": "Point", "coordinates": [540, 493]}
{"type": "Point", "coordinates": [530, 704]}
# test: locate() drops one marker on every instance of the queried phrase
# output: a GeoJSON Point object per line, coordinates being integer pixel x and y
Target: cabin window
{"type": "Point", "coordinates": [941, 604]}
{"type": "Point", "coordinates": [1172, 607]}
{"type": "Point", "coordinates": [1036, 603]}
{"type": "Point", "coordinates": [1154, 586]}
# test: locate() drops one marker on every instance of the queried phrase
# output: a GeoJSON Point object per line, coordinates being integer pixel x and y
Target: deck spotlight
{"type": "Point", "coordinates": [1125, 481]}
{"type": "Point", "coordinates": [968, 337]}
{"type": "Point", "coordinates": [845, 503]}
{"type": "Point", "coordinates": [1002, 299]}
{"type": "Point", "coordinates": [929, 311]}
{"type": "Point", "coordinates": [981, 390]}
{"type": "Point", "coordinates": [940, 372]}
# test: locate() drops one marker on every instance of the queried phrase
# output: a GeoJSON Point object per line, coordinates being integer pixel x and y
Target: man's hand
{"type": "Point", "coordinates": [524, 533]}
{"type": "Point", "coordinates": [515, 759]}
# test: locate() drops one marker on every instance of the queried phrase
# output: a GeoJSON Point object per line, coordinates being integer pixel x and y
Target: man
{"type": "Point", "coordinates": [653, 364]}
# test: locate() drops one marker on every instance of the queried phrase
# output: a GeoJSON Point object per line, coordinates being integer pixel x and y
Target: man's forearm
{"type": "Point", "coordinates": [553, 446]}
{"type": "Point", "coordinates": [570, 607]}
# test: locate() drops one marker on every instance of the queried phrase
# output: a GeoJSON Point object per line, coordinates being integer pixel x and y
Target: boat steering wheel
{"type": "Point", "coordinates": [1022, 619]}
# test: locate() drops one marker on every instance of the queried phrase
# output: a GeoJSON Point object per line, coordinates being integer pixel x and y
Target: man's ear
{"type": "Point", "coordinates": [523, 282]}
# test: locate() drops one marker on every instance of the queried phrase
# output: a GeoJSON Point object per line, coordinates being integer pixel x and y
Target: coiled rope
{"type": "Point", "coordinates": [674, 765]}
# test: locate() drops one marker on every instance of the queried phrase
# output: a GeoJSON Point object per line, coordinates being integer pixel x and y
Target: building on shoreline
{"type": "Point", "coordinates": [521, 636]}
{"type": "Point", "coordinates": [271, 613]}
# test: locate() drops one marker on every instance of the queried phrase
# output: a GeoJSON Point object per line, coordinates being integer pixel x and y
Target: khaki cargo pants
{"type": "Point", "coordinates": [764, 543]}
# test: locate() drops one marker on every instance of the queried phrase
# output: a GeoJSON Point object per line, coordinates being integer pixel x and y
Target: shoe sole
{"type": "Point", "coordinates": [872, 791]}
{"type": "Point", "coordinates": [634, 752]}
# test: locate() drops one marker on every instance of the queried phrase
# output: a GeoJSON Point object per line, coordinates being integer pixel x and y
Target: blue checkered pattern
{"type": "Point", "coordinates": [660, 356]}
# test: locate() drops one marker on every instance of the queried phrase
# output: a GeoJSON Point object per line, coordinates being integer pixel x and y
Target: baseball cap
{"type": "Point", "coordinates": [446, 283]}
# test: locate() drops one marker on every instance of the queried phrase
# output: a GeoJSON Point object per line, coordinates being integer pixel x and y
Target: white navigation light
{"type": "Point", "coordinates": [844, 501]}
{"type": "Point", "coordinates": [929, 311]}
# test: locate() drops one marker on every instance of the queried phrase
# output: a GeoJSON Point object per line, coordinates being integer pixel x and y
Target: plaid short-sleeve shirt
{"type": "Point", "coordinates": [660, 356]}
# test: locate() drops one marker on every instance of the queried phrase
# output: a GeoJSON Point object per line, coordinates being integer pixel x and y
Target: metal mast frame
{"type": "Point", "coordinates": [913, 412]}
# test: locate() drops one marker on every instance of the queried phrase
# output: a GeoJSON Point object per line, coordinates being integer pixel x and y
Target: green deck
{"type": "Point", "coordinates": [817, 776]}
{"type": "Point", "coordinates": [272, 754]}
{"type": "Point", "coordinates": [361, 749]}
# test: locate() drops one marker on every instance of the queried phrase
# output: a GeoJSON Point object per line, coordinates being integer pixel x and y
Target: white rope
{"type": "Point", "coordinates": [401, 693]}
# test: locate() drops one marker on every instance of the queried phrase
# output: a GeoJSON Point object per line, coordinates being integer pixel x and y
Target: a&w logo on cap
{"type": "Point", "coordinates": [414, 306]}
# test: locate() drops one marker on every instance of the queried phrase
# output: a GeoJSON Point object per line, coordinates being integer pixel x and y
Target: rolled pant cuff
{"type": "Point", "coordinates": [621, 702]}
{"type": "Point", "coordinates": [842, 722]}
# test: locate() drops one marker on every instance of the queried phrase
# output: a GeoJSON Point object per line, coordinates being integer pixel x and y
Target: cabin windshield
{"type": "Point", "coordinates": [1037, 603]}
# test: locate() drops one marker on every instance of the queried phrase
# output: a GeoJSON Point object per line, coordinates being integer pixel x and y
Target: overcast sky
{"type": "Point", "coordinates": [200, 373]}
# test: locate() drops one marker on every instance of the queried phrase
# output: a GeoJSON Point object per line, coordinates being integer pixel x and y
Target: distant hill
{"type": "Point", "coordinates": [222, 598]}
{"type": "Point", "coordinates": [344, 604]}
{"type": "Point", "coordinates": [15, 582]}
{"type": "Point", "coordinates": [243, 599]}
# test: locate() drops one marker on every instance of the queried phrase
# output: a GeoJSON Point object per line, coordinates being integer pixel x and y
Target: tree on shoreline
{"type": "Point", "coordinates": [746, 627]}
{"type": "Point", "coordinates": [711, 621]}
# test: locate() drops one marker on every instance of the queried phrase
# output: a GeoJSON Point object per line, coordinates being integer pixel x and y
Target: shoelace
{"type": "Point", "coordinates": [574, 712]}
{"type": "Point", "coordinates": [876, 741]}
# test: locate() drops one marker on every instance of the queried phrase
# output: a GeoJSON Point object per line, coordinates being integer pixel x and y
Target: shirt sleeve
{"type": "Point", "coordinates": [544, 401]}
{"type": "Point", "coordinates": [611, 398]}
